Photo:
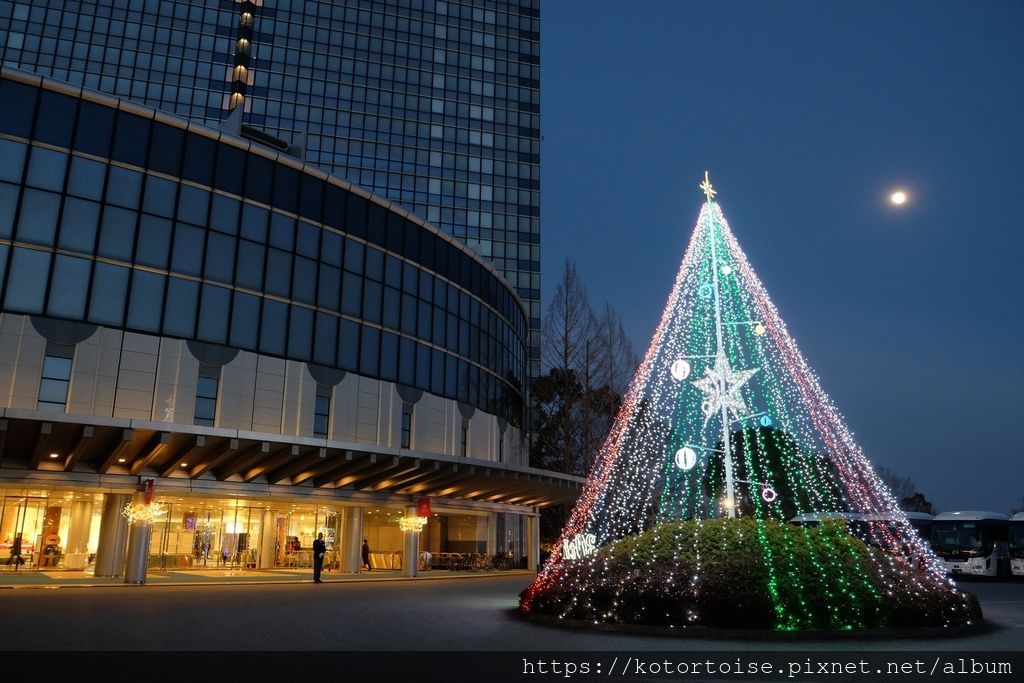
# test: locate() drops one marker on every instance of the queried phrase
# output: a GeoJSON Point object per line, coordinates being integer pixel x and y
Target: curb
{"type": "Point", "coordinates": [259, 582]}
{"type": "Point", "coordinates": [710, 633]}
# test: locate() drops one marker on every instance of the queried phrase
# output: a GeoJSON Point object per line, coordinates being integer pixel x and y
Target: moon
{"type": "Point", "coordinates": [686, 458]}
{"type": "Point", "coordinates": [898, 198]}
{"type": "Point", "coordinates": [680, 369]}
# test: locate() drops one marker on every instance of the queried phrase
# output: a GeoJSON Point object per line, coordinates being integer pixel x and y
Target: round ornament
{"type": "Point", "coordinates": [766, 421]}
{"type": "Point", "coordinates": [768, 494]}
{"type": "Point", "coordinates": [759, 330]}
{"type": "Point", "coordinates": [706, 291]}
{"type": "Point", "coordinates": [726, 270]}
{"type": "Point", "coordinates": [686, 458]}
{"type": "Point", "coordinates": [680, 369]}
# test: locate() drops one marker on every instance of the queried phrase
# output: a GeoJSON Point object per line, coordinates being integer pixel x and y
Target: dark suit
{"type": "Point", "coordinates": [319, 548]}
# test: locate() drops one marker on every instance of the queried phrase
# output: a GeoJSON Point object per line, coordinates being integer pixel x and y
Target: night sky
{"type": "Point", "coordinates": [808, 115]}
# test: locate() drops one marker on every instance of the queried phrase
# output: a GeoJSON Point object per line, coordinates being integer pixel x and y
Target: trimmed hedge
{"type": "Point", "coordinates": [751, 574]}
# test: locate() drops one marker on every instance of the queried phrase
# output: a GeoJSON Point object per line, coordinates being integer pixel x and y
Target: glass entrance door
{"type": "Point", "coordinates": [23, 543]}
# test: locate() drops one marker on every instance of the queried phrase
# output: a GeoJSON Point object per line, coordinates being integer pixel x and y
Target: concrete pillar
{"type": "Point", "coordinates": [352, 540]}
{"type": "Point", "coordinates": [138, 552]}
{"type": "Point", "coordinates": [268, 544]}
{"type": "Point", "coordinates": [76, 550]}
{"type": "Point", "coordinates": [533, 543]}
{"type": "Point", "coordinates": [113, 535]}
{"type": "Point", "coordinates": [411, 552]}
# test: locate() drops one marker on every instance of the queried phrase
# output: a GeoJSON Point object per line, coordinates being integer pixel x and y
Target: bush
{"type": "Point", "coordinates": [746, 573]}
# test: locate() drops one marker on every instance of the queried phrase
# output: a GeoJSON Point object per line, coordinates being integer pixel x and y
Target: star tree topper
{"type": "Point", "coordinates": [722, 386]}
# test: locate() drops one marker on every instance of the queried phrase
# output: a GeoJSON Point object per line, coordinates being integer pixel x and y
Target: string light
{"type": "Point", "coordinates": [723, 393]}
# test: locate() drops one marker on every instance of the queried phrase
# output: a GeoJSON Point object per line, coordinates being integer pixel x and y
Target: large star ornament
{"type": "Point", "coordinates": [722, 386]}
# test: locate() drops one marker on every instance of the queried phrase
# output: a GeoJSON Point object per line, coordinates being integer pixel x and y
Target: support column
{"type": "Point", "coordinates": [138, 552]}
{"type": "Point", "coordinates": [76, 552]}
{"type": "Point", "coordinates": [268, 546]}
{"type": "Point", "coordinates": [352, 540]}
{"type": "Point", "coordinates": [533, 543]}
{"type": "Point", "coordinates": [113, 535]}
{"type": "Point", "coordinates": [411, 553]}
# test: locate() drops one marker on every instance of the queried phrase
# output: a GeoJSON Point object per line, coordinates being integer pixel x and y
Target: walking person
{"type": "Point", "coordinates": [319, 550]}
{"type": "Point", "coordinates": [366, 555]}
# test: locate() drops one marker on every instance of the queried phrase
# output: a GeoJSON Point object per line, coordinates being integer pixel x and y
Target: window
{"type": "Point", "coordinates": [206, 395]}
{"type": "Point", "coordinates": [406, 437]}
{"type": "Point", "coordinates": [501, 447]}
{"type": "Point", "coordinates": [321, 410]}
{"type": "Point", "coordinates": [464, 441]}
{"type": "Point", "coordinates": [53, 389]}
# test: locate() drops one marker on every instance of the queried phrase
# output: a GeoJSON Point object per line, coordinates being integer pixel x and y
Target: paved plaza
{"type": "Point", "coordinates": [453, 613]}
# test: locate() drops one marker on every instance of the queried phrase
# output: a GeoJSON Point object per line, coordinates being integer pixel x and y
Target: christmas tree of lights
{"type": "Point", "coordinates": [725, 419]}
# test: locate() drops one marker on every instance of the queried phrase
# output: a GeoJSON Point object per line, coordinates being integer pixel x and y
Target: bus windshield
{"type": "Point", "coordinates": [1017, 538]}
{"type": "Point", "coordinates": [959, 535]}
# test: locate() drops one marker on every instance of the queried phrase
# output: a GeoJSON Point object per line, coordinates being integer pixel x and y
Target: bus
{"type": "Point", "coordinates": [1017, 544]}
{"type": "Point", "coordinates": [870, 527]}
{"type": "Point", "coordinates": [972, 542]}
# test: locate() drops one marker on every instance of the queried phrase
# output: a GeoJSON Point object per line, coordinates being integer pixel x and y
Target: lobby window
{"type": "Point", "coordinates": [501, 447]}
{"type": "Point", "coordinates": [406, 437]}
{"type": "Point", "coordinates": [206, 395]}
{"type": "Point", "coordinates": [464, 441]}
{"type": "Point", "coordinates": [321, 410]}
{"type": "Point", "coordinates": [53, 389]}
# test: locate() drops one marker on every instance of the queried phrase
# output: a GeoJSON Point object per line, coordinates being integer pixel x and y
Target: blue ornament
{"type": "Point", "coordinates": [766, 421]}
{"type": "Point", "coordinates": [706, 291]}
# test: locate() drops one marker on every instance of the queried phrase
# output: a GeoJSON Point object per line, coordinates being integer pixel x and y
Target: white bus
{"type": "Point", "coordinates": [972, 543]}
{"type": "Point", "coordinates": [1017, 544]}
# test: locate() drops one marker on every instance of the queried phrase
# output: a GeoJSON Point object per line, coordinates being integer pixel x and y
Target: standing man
{"type": "Point", "coordinates": [366, 555]}
{"type": "Point", "coordinates": [319, 549]}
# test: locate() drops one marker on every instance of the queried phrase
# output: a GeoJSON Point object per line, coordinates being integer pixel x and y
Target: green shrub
{"type": "Point", "coordinates": [746, 573]}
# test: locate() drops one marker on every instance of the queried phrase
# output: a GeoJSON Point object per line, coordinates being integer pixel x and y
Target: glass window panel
{"type": "Point", "coordinates": [424, 320]}
{"type": "Point", "coordinates": [131, 139]}
{"type": "Point", "coordinates": [220, 257]}
{"type": "Point", "coordinates": [334, 207]}
{"type": "Point", "coordinates": [3, 261]}
{"type": "Point", "coordinates": [389, 357]}
{"type": "Point", "coordinates": [330, 249]}
{"type": "Point", "coordinates": [312, 197]}
{"type": "Point", "coordinates": [437, 372]}
{"type": "Point", "coordinates": [393, 272]}
{"type": "Point", "coordinates": [146, 301]}
{"type": "Point", "coordinates": [165, 149]}
{"type": "Point", "coordinates": [307, 240]}
{"type": "Point", "coordinates": [423, 367]}
{"type": "Point", "coordinates": [180, 308]}
{"type": "Point", "coordinates": [250, 265]}
{"type": "Point", "coordinates": [426, 286]}
{"type": "Point", "coordinates": [160, 196]}
{"type": "Point", "coordinates": [409, 308]}
{"type": "Point", "coordinates": [354, 256]}
{"type": "Point", "coordinates": [86, 178]}
{"type": "Point", "coordinates": [46, 169]}
{"type": "Point", "coordinates": [56, 119]}
{"type": "Point", "coordinates": [286, 188]}
{"type": "Point", "coordinates": [257, 179]}
{"type": "Point", "coordinates": [375, 224]}
{"type": "Point", "coordinates": [329, 290]}
{"type": "Point", "coordinates": [273, 327]}
{"type": "Point", "coordinates": [224, 214]}
{"type": "Point", "coordinates": [254, 223]}
{"type": "Point", "coordinates": [304, 280]}
{"type": "Point", "coordinates": [300, 333]}
{"type": "Point", "coordinates": [187, 256]}
{"type": "Point", "coordinates": [369, 352]}
{"type": "Point", "coordinates": [69, 288]}
{"type": "Point", "coordinates": [230, 167]}
{"type": "Point", "coordinates": [320, 424]}
{"type": "Point", "coordinates": [392, 307]}
{"type": "Point", "coordinates": [38, 219]}
{"type": "Point", "coordinates": [355, 221]}
{"type": "Point", "coordinates": [372, 295]}
{"type": "Point", "coordinates": [410, 279]}
{"type": "Point", "coordinates": [282, 231]}
{"type": "Point", "coordinates": [17, 108]}
{"type": "Point", "coordinates": [12, 160]}
{"type": "Point", "coordinates": [55, 367]}
{"type": "Point", "coordinates": [407, 361]}
{"type": "Point", "coordinates": [437, 332]}
{"type": "Point", "coordinates": [396, 229]}
{"type": "Point", "coordinates": [154, 241]}
{"type": "Point", "coordinates": [199, 153]}
{"type": "Point", "coordinates": [78, 225]}
{"type": "Point", "coordinates": [206, 387]}
{"type": "Point", "coordinates": [279, 272]}
{"type": "Point", "coordinates": [214, 314]}
{"type": "Point", "coordinates": [117, 236]}
{"type": "Point", "coordinates": [325, 347]}
{"type": "Point", "coordinates": [375, 264]}
{"type": "Point", "coordinates": [124, 187]}
{"type": "Point", "coordinates": [53, 391]}
{"type": "Point", "coordinates": [348, 346]}
{"type": "Point", "coordinates": [27, 281]}
{"type": "Point", "coordinates": [352, 295]}
{"type": "Point", "coordinates": [95, 123]}
{"type": "Point", "coordinates": [451, 388]}
{"type": "Point", "coordinates": [245, 321]}
{"type": "Point", "coordinates": [109, 288]}
{"type": "Point", "coordinates": [192, 205]}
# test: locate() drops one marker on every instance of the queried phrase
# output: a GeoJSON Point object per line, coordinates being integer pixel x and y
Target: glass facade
{"type": "Point", "coordinates": [432, 104]}
{"type": "Point", "coordinates": [112, 217]}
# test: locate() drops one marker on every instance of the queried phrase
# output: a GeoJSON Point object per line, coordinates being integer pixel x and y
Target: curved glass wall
{"type": "Point", "coordinates": [110, 217]}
